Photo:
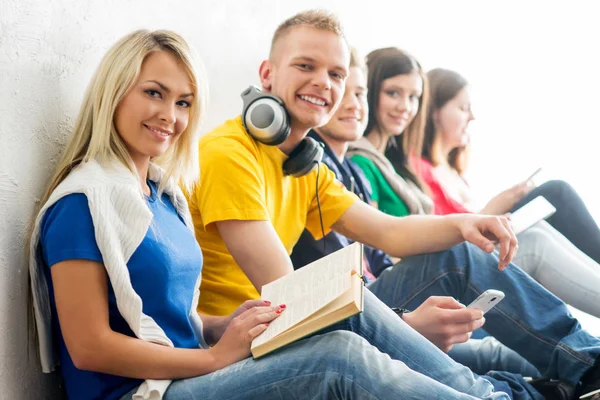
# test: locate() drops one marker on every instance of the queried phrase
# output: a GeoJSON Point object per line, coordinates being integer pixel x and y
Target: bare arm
{"type": "Point", "coordinates": [83, 316]}
{"type": "Point", "coordinates": [504, 201]}
{"type": "Point", "coordinates": [401, 237]}
{"type": "Point", "coordinates": [257, 249]}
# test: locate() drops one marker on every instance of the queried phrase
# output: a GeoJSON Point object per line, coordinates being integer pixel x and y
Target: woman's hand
{"type": "Point", "coordinates": [247, 322]}
{"type": "Point", "coordinates": [506, 200]}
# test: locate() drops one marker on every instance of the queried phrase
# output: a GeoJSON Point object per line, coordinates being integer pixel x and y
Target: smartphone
{"type": "Point", "coordinates": [537, 171]}
{"type": "Point", "coordinates": [487, 300]}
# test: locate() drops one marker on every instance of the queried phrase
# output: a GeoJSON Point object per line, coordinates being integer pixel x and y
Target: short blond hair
{"type": "Point", "coordinates": [319, 19]}
{"type": "Point", "coordinates": [356, 61]}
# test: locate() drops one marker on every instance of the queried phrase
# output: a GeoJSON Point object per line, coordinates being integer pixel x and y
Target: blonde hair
{"type": "Point", "coordinates": [356, 61]}
{"type": "Point", "coordinates": [94, 134]}
{"type": "Point", "coordinates": [319, 19]}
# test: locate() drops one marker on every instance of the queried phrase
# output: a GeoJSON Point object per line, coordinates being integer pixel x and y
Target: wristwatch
{"type": "Point", "coordinates": [400, 311]}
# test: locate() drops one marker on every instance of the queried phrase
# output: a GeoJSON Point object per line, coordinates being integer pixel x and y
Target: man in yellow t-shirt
{"type": "Point", "coordinates": [243, 179]}
{"type": "Point", "coordinates": [248, 215]}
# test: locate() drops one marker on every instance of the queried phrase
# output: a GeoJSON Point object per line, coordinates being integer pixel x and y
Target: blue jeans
{"type": "Point", "coordinates": [358, 358]}
{"type": "Point", "coordinates": [530, 320]}
{"type": "Point", "coordinates": [488, 354]}
{"type": "Point", "coordinates": [572, 218]}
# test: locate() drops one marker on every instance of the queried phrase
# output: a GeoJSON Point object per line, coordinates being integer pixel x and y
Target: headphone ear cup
{"type": "Point", "coordinates": [303, 158]}
{"type": "Point", "coordinates": [264, 117]}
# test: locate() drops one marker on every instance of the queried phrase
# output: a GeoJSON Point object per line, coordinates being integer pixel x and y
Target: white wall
{"type": "Point", "coordinates": [533, 69]}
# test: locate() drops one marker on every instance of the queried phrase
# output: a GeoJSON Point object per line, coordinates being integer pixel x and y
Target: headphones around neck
{"type": "Point", "coordinates": [265, 118]}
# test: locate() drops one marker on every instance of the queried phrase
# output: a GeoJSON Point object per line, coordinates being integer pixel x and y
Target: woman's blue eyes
{"type": "Point", "coordinates": [158, 95]}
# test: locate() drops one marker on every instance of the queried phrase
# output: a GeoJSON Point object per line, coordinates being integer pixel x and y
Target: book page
{"type": "Point", "coordinates": [303, 307]}
{"type": "Point", "coordinates": [310, 288]}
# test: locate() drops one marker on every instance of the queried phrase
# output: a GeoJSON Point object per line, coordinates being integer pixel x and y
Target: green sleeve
{"type": "Point", "coordinates": [371, 172]}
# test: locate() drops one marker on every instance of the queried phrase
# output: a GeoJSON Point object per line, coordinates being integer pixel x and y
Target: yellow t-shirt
{"type": "Point", "coordinates": [242, 179]}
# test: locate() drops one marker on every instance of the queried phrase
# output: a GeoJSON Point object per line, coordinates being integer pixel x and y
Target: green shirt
{"type": "Point", "coordinates": [387, 201]}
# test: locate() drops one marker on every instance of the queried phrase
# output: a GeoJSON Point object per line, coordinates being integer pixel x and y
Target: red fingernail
{"type": "Point", "coordinates": [267, 324]}
{"type": "Point", "coordinates": [282, 306]}
{"type": "Point", "coordinates": [278, 311]}
{"type": "Point", "coordinates": [267, 302]}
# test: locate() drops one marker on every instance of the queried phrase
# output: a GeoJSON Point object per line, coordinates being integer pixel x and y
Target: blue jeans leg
{"type": "Point", "coordinates": [391, 335]}
{"type": "Point", "coordinates": [334, 365]}
{"type": "Point", "coordinates": [488, 354]}
{"type": "Point", "coordinates": [530, 320]}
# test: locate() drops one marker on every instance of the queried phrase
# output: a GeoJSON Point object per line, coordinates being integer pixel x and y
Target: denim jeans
{"type": "Point", "coordinates": [488, 354]}
{"type": "Point", "coordinates": [373, 355]}
{"type": "Point", "coordinates": [572, 218]}
{"type": "Point", "coordinates": [530, 320]}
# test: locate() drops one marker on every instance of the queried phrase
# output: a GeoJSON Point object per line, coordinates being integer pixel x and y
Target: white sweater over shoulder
{"type": "Point", "coordinates": [121, 219]}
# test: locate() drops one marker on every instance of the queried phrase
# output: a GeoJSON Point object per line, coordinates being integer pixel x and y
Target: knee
{"type": "Point", "coordinates": [555, 187]}
{"type": "Point", "coordinates": [466, 254]}
{"type": "Point", "coordinates": [340, 351]}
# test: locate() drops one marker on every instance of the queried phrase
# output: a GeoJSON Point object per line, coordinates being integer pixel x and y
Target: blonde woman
{"type": "Point", "coordinates": [115, 266]}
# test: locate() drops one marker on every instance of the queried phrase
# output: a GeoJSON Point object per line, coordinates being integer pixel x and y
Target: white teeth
{"type": "Point", "coordinates": [313, 100]}
{"type": "Point", "coordinates": [163, 134]}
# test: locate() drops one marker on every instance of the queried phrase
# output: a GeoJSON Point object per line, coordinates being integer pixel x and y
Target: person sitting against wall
{"type": "Point", "coordinates": [563, 268]}
{"type": "Point", "coordinates": [446, 148]}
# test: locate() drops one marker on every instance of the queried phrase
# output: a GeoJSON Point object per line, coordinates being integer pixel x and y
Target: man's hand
{"type": "Point", "coordinates": [444, 321]}
{"type": "Point", "coordinates": [484, 231]}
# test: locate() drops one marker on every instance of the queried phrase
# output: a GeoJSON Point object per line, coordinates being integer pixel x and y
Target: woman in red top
{"type": "Point", "coordinates": [545, 253]}
{"type": "Point", "coordinates": [445, 155]}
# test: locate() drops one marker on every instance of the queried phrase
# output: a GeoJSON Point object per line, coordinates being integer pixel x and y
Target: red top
{"type": "Point", "coordinates": [443, 202]}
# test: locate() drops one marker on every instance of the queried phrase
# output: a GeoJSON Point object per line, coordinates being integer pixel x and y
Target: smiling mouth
{"type": "Point", "coordinates": [399, 120]}
{"type": "Point", "coordinates": [313, 100]}
{"type": "Point", "coordinates": [159, 132]}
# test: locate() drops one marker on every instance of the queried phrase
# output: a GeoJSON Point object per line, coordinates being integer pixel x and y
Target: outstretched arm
{"type": "Point", "coordinates": [401, 237]}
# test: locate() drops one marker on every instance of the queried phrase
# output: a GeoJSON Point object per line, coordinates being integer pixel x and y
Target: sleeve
{"type": "Point", "coordinates": [443, 203]}
{"type": "Point", "coordinates": [231, 183]}
{"type": "Point", "coordinates": [67, 231]}
{"type": "Point", "coordinates": [369, 170]}
{"type": "Point", "coordinates": [334, 200]}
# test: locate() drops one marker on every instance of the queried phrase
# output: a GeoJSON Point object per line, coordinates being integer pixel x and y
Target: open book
{"type": "Point", "coordinates": [318, 295]}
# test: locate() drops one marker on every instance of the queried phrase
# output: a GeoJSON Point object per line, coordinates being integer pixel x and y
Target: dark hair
{"type": "Point", "coordinates": [444, 85]}
{"type": "Point", "coordinates": [383, 64]}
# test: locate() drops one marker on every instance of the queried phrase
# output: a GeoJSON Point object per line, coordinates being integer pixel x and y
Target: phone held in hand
{"type": "Point", "coordinates": [487, 300]}
{"type": "Point", "coordinates": [537, 171]}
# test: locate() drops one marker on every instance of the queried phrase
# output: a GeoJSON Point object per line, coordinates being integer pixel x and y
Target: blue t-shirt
{"type": "Point", "coordinates": [163, 270]}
